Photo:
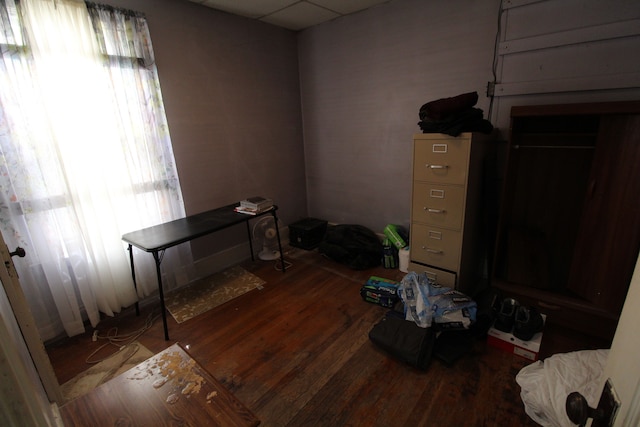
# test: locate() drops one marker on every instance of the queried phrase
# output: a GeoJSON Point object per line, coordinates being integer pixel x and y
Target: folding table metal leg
{"type": "Point", "coordinates": [158, 259]}
{"type": "Point", "coordinates": [133, 276]}
{"type": "Point", "coordinates": [275, 219]}
{"type": "Point", "coordinates": [250, 240]}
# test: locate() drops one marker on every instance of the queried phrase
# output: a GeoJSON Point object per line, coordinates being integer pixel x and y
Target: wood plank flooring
{"type": "Point", "coordinates": [297, 353]}
{"type": "Point", "coordinates": [167, 389]}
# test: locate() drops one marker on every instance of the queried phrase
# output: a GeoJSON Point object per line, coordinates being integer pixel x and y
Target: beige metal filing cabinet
{"type": "Point", "coordinates": [446, 219]}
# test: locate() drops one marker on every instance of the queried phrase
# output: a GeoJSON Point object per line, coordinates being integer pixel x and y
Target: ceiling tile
{"type": "Point", "coordinates": [345, 7]}
{"type": "Point", "coordinates": [292, 14]}
{"type": "Point", "coordinates": [300, 15]}
{"type": "Point", "coordinates": [249, 8]}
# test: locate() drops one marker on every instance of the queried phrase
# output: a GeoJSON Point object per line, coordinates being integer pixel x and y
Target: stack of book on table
{"type": "Point", "coordinates": [254, 205]}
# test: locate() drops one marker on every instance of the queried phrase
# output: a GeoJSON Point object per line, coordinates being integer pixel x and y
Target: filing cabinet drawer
{"type": "Point", "coordinates": [441, 160]}
{"type": "Point", "coordinates": [440, 205]}
{"type": "Point", "coordinates": [435, 275]}
{"type": "Point", "coordinates": [436, 246]}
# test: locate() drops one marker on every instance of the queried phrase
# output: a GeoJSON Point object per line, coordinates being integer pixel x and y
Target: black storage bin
{"type": "Point", "coordinates": [307, 233]}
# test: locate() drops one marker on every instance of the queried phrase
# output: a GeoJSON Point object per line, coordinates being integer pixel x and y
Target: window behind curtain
{"type": "Point", "coordinates": [85, 156]}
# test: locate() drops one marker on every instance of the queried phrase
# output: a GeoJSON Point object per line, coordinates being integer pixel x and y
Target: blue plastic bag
{"type": "Point", "coordinates": [426, 303]}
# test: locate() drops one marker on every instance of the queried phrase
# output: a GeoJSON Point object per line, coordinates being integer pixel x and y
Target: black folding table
{"type": "Point", "coordinates": [158, 238]}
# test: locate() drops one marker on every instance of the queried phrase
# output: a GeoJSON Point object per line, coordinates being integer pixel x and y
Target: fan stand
{"type": "Point", "coordinates": [269, 252]}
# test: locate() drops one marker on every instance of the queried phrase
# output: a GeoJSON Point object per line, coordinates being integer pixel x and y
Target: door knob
{"type": "Point", "coordinates": [19, 252]}
{"type": "Point", "coordinates": [578, 409]}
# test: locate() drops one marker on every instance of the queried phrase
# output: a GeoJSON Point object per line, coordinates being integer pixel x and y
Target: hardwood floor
{"type": "Point", "coordinates": [297, 353]}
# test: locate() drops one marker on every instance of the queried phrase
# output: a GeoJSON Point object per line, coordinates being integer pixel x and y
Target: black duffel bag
{"type": "Point", "coordinates": [353, 245]}
{"type": "Point", "coordinates": [404, 340]}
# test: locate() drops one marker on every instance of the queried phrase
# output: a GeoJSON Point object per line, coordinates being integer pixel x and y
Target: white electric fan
{"type": "Point", "coordinates": [265, 233]}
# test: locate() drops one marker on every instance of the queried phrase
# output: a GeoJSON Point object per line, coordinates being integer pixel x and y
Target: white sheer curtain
{"type": "Point", "coordinates": [85, 157]}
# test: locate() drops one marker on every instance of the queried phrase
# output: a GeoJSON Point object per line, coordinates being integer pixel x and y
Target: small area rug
{"type": "Point", "coordinates": [129, 356]}
{"type": "Point", "coordinates": [204, 294]}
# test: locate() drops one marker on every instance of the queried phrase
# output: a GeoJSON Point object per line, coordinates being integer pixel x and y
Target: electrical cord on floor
{"type": "Point", "coordinates": [119, 341]}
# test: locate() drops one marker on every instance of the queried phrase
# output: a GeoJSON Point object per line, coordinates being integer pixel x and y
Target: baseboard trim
{"type": "Point", "coordinates": [233, 256]}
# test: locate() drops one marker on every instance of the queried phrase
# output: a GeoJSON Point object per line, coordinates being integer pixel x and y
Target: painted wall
{"type": "Point", "coordinates": [322, 120]}
{"type": "Point", "coordinates": [363, 80]}
{"type": "Point", "coordinates": [584, 52]}
{"type": "Point", "coordinates": [236, 90]}
{"type": "Point", "coordinates": [364, 77]}
{"type": "Point", "coordinates": [231, 93]}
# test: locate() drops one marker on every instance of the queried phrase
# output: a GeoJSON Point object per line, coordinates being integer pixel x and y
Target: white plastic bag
{"type": "Point", "coordinates": [546, 385]}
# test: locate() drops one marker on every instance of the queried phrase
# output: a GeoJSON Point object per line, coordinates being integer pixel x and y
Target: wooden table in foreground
{"type": "Point", "coordinates": [169, 389]}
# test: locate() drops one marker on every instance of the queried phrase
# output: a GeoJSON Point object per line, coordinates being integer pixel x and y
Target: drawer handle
{"type": "Point", "coordinates": [431, 210]}
{"type": "Point", "coordinates": [437, 166]}
{"type": "Point", "coordinates": [433, 251]}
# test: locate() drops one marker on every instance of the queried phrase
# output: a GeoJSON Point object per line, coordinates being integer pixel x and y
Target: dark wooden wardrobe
{"type": "Point", "coordinates": [569, 227]}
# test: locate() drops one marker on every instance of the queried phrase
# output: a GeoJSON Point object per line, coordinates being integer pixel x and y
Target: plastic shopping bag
{"type": "Point", "coordinates": [546, 385]}
{"type": "Point", "coordinates": [426, 302]}
{"type": "Point", "coordinates": [414, 292]}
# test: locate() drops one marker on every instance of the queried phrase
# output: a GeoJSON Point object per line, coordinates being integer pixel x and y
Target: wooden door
{"type": "Point", "coordinates": [26, 323]}
{"type": "Point", "coordinates": [622, 364]}
{"type": "Point", "coordinates": [609, 235]}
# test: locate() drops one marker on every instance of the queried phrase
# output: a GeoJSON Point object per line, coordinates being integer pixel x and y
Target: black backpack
{"type": "Point", "coordinates": [353, 245]}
